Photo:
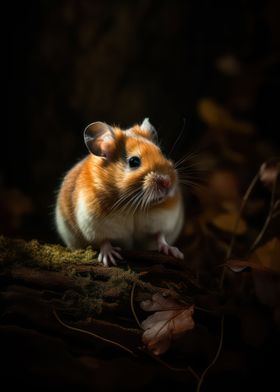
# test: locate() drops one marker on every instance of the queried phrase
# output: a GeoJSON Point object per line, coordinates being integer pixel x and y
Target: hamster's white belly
{"type": "Point", "coordinates": [166, 221]}
{"type": "Point", "coordinates": [125, 230]}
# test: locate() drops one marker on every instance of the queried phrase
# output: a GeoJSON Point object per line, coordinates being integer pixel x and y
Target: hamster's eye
{"type": "Point", "coordinates": [134, 162]}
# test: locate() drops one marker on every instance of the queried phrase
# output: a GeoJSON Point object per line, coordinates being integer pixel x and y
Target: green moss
{"type": "Point", "coordinates": [96, 288]}
{"type": "Point", "coordinates": [46, 256]}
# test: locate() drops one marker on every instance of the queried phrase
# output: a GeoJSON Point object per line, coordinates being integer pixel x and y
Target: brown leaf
{"type": "Point", "coordinates": [170, 320]}
{"type": "Point", "coordinates": [265, 258]}
{"type": "Point", "coordinates": [269, 254]}
{"type": "Point", "coordinates": [241, 265]}
{"type": "Point", "coordinates": [265, 271]}
{"type": "Point", "coordinates": [216, 116]}
{"type": "Point", "coordinates": [226, 221]}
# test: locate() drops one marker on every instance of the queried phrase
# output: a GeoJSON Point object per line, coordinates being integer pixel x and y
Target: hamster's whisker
{"type": "Point", "coordinates": [135, 202]}
{"type": "Point", "coordinates": [143, 201]}
{"type": "Point", "coordinates": [130, 205]}
{"type": "Point", "coordinates": [192, 169]}
{"type": "Point", "coordinates": [193, 184]}
{"type": "Point", "coordinates": [185, 158]}
{"type": "Point", "coordinates": [188, 155]}
{"type": "Point", "coordinates": [199, 179]}
{"type": "Point", "coordinates": [125, 197]}
{"type": "Point", "coordinates": [192, 165]}
{"type": "Point", "coordinates": [139, 201]}
{"type": "Point", "coordinates": [147, 199]}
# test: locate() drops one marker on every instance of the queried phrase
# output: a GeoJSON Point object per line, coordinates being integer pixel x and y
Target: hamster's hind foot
{"type": "Point", "coordinates": [109, 254]}
{"type": "Point", "coordinates": [165, 248]}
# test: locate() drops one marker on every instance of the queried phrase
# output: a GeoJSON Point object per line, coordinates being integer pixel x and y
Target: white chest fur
{"type": "Point", "coordinates": [118, 227]}
{"type": "Point", "coordinates": [166, 221]}
{"type": "Point", "coordinates": [130, 230]}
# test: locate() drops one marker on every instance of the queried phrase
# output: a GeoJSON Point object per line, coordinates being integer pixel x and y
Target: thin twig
{"type": "Point", "coordinates": [215, 358]}
{"type": "Point", "coordinates": [132, 305]}
{"type": "Point", "coordinates": [156, 358]}
{"type": "Point", "coordinates": [228, 255]}
{"type": "Point", "coordinates": [84, 331]}
{"type": "Point", "coordinates": [268, 219]}
{"type": "Point", "coordinates": [233, 238]}
{"type": "Point", "coordinates": [178, 137]}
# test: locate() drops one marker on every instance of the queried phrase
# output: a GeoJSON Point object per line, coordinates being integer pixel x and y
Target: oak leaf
{"type": "Point", "coordinates": [170, 320]}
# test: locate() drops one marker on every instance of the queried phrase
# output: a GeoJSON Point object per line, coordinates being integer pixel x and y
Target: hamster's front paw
{"type": "Point", "coordinates": [108, 254]}
{"type": "Point", "coordinates": [167, 249]}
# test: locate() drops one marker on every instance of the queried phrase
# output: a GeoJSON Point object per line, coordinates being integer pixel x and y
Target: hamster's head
{"type": "Point", "coordinates": [133, 162]}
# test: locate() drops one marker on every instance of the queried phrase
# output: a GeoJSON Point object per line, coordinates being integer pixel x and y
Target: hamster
{"type": "Point", "coordinates": [124, 194]}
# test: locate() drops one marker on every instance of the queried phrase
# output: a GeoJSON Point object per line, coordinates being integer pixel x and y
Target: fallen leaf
{"type": "Point", "coordinates": [265, 258]}
{"type": "Point", "coordinates": [226, 221]}
{"type": "Point", "coordinates": [213, 114]}
{"type": "Point", "coordinates": [170, 320]}
{"type": "Point", "coordinates": [241, 265]}
{"type": "Point", "coordinates": [265, 265]}
{"type": "Point", "coordinates": [216, 116]}
{"type": "Point", "coordinates": [269, 254]}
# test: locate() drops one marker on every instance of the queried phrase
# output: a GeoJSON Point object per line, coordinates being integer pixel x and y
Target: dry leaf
{"type": "Point", "coordinates": [218, 117]}
{"type": "Point", "coordinates": [265, 271]}
{"type": "Point", "coordinates": [226, 221]}
{"type": "Point", "coordinates": [170, 320]}
{"type": "Point", "coordinates": [241, 265]}
{"type": "Point", "coordinates": [213, 114]}
{"type": "Point", "coordinates": [266, 258]}
{"type": "Point", "coordinates": [269, 254]}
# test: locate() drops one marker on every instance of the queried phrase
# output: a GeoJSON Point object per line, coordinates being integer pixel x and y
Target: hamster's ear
{"type": "Point", "coordinates": [100, 139]}
{"type": "Point", "coordinates": [146, 126]}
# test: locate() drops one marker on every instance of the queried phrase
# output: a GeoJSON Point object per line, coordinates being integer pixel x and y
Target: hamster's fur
{"type": "Point", "coordinates": [124, 194]}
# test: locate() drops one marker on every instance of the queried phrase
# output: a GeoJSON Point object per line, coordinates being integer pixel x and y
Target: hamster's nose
{"type": "Point", "coordinates": [164, 182]}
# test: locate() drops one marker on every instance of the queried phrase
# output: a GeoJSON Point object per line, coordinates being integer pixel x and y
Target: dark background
{"type": "Point", "coordinates": [74, 62]}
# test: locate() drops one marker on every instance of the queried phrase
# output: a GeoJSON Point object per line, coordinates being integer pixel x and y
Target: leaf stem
{"type": "Point", "coordinates": [268, 218]}
{"type": "Point", "coordinates": [233, 238]}
{"type": "Point", "coordinates": [84, 331]}
{"type": "Point", "coordinates": [215, 358]}
{"type": "Point", "coordinates": [132, 305]}
{"type": "Point", "coordinates": [156, 358]}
